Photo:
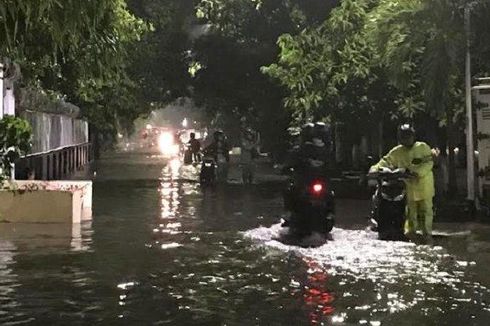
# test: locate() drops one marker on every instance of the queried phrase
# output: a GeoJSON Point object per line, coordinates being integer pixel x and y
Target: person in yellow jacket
{"type": "Point", "coordinates": [416, 158]}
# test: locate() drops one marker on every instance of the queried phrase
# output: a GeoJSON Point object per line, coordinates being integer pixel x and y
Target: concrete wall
{"type": "Point", "coordinates": [52, 131]}
{"type": "Point", "coordinates": [69, 202]}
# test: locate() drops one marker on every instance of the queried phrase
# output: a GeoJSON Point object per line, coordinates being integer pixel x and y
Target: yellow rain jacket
{"type": "Point", "coordinates": [417, 159]}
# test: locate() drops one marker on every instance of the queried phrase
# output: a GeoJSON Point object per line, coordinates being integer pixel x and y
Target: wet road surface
{"type": "Point", "coordinates": [161, 251]}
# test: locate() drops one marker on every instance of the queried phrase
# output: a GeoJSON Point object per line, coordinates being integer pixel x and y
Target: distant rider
{"type": "Point", "coordinates": [219, 147]}
{"type": "Point", "coordinates": [416, 158]}
{"type": "Point", "coordinates": [195, 147]}
{"type": "Point", "coordinates": [249, 152]}
{"type": "Point", "coordinates": [220, 151]}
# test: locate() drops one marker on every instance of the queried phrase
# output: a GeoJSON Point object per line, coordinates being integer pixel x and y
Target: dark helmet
{"type": "Point", "coordinates": [218, 134]}
{"type": "Point", "coordinates": [406, 135]}
{"type": "Point", "coordinates": [248, 134]}
{"type": "Point", "coordinates": [307, 132]}
{"type": "Point", "coordinates": [193, 135]}
{"type": "Point", "coordinates": [406, 130]}
{"type": "Point", "coordinates": [321, 131]}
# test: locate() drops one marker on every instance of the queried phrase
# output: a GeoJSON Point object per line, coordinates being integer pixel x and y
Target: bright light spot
{"type": "Point", "coordinates": [193, 68]}
{"type": "Point", "coordinates": [317, 187]}
{"type": "Point", "coordinates": [338, 319]}
{"type": "Point", "coordinates": [171, 245]}
{"type": "Point", "coordinates": [119, 135]}
{"type": "Point", "coordinates": [175, 164]}
{"type": "Point", "coordinates": [185, 123]}
{"type": "Point", "coordinates": [149, 126]}
{"type": "Point", "coordinates": [166, 144]}
{"type": "Point", "coordinates": [126, 286]}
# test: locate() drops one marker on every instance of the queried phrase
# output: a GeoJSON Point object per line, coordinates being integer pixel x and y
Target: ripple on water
{"type": "Point", "coordinates": [387, 277]}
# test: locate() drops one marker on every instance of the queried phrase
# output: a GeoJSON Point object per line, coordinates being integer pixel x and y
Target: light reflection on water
{"type": "Point", "coordinates": [162, 251]}
{"type": "Point", "coordinates": [169, 232]}
{"type": "Point", "coordinates": [383, 278]}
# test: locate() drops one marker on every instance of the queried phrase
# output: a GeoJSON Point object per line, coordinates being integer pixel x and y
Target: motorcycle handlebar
{"type": "Point", "coordinates": [392, 174]}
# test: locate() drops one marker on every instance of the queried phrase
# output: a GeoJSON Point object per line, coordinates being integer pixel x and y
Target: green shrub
{"type": "Point", "coordinates": [15, 141]}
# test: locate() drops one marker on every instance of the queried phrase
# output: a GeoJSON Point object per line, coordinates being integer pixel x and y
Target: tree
{"type": "Point", "coordinates": [77, 50]}
{"type": "Point", "coordinates": [413, 50]}
{"type": "Point", "coordinates": [241, 38]}
{"type": "Point", "coordinates": [160, 64]}
{"type": "Point", "coordinates": [328, 72]}
{"type": "Point", "coordinates": [422, 46]}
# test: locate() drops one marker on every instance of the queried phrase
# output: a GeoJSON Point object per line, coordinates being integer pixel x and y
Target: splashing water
{"type": "Point", "coordinates": [387, 277]}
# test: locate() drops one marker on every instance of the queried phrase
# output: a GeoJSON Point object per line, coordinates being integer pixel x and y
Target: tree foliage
{"type": "Point", "coordinates": [240, 37]}
{"type": "Point", "coordinates": [415, 48]}
{"type": "Point", "coordinates": [78, 50]}
{"type": "Point", "coordinates": [328, 69]}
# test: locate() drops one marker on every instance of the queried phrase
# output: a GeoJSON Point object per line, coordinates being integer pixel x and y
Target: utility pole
{"type": "Point", "coordinates": [470, 151]}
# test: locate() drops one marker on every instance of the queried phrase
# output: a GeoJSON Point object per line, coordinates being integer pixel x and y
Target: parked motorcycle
{"type": "Point", "coordinates": [311, 204]}
{"type": "Point", "coordinates": [389, 203]}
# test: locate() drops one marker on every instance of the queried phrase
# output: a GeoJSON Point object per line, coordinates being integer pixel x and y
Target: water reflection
{"type": "Point", "coordinates": [31, 236]}
{"type": "Point", "coordinates": [165, 252]}
{"type": "Point", "coordinates": [170, 233]}
{"type": "Point", "coordinates": [21, 242]}
{"type": "Point", "coordinates": [317, 297]}
{"type": "Point", "coordinates": [376, 279]}
{"type": "Point", "coordinates": [8, 283]}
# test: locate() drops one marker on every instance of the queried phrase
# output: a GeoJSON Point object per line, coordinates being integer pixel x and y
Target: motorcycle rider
{"type": "Point", "coordinates": [219, 150]}
{"type": "Point", "coordinates": [195, 147]}
{"type": "Point", "coordinates": [311, 155]}
{"type": "Point", "coordinates": [416, 158]}
{"type": "Point", "coordinates": [308, 159]}
{"type": "Point", "coordinates": [249, 153]}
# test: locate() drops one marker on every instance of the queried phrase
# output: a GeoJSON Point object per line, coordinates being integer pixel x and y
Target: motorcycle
{"type": "Point", "coordinates": [187, 154]}
{"type": "Point", "coordinates": [311, 204]}
{"type": "Point", "coordinates": [389, 203]}
{"type": "Point", "coordinates": [207, 175]}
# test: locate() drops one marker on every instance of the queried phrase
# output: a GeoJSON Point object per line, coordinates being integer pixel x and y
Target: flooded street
{"type": "Point", "coordinates": [162, 251]}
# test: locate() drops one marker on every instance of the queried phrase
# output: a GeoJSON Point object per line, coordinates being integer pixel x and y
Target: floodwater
{"type": "Point", "coordinates": [162, 251]}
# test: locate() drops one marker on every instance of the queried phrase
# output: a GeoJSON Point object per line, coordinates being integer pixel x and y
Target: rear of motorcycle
{"type": "Point", "coordinates": [312, 206]}
{"type": "Point", "coordinates": [207, 175]}
{"type": "Point", "coordinates": [389, 209]}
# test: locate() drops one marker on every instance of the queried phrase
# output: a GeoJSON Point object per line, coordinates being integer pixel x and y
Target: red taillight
{"type": "Point", "coordinates": [318, 188]}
